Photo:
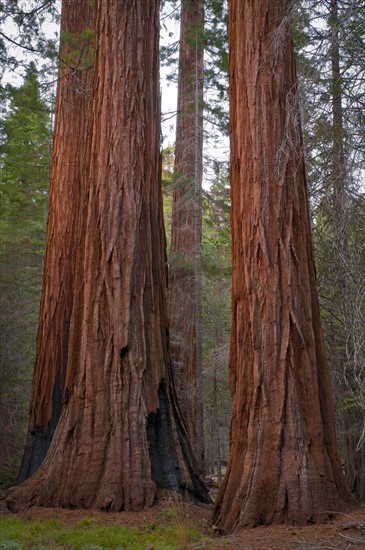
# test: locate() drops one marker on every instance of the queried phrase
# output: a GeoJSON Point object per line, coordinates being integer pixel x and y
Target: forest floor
{"type": "Point", "coordinates": [346, 531]}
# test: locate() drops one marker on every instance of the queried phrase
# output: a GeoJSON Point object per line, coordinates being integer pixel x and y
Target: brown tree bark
{"type": "Point", "coordinates": [120, 435]}
{"type": "Point", "coordinates": [186, 233]}
{"type": "Point", "coordinates": [67, 197]}
{"type": "Point", "coordinates": [284, 465]}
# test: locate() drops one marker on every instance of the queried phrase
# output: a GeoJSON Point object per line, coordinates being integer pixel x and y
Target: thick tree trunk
{"type": "Point", "coordinates": [120, 436]}
{"type": "Point", "coordinates": [185, 269]}
{"type": "Point", "coordinates": [284, 465]}
{"type": "Point", "coordinates": [66, 203]}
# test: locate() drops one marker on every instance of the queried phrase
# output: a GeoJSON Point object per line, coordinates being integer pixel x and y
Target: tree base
{"type": "Point", "coordinates": [172, 468]}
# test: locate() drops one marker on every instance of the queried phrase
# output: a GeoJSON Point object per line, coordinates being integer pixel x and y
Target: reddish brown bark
{"type": "Point", "coordinates": [185, 265]}
{"type": "Point", "coordinates": [284, 465]}
{"type": "Point", "coordinates": [120, 436]}
{"type": "Point", "coordinates": [63, 236]}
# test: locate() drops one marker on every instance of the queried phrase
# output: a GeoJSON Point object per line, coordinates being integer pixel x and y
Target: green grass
{"type": "Point", "coordinates": [87, 534]}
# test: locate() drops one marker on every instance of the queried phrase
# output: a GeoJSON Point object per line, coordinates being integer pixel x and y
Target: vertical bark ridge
{"type": "Point", "coordinates": [121, 398]}
{"type": "Point", "coordinates": [284, 465]}
{"type": "Point", "coordinates": [185, 266]}
{"type": "Point", "coordinates": [64, 233]}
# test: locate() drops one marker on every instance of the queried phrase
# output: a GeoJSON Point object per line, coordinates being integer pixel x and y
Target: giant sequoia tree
{"type": "Point", "coordinates": [186, 229]}
{"type": "Point", "coordinates": [284, 465]}
{"type": "Point", "coordinates": [64, 231]}
{"type": "Point", "coordinates": [119, 436]}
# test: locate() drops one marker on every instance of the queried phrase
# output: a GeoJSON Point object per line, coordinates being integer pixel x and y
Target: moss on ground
{"type": "Point", "coordinates": [88, 534]}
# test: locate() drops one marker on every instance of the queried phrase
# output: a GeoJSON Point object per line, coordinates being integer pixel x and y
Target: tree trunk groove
{"type": "Point", "coordinates": [185, 267]}
{"type": "Point", "coordinates": [284, 465]}
{"type": "Point", "coordinates": [66, 202]}
{"type": "Point", "coordinates": [120, 436]}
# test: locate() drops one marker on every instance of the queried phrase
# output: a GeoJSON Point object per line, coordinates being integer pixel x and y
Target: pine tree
{"type": "Point", "coordinates": [24, 159]}
{"type": "Point", "coordinates": [332, 80]}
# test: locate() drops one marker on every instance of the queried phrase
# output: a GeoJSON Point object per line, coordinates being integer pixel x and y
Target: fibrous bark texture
{"type": "Point", "coordinates": [185, 264]}
{"type": "Point", "coordinates": [66, 200]}
{"type": "Point", "coordinates": [120, 435]}
{"type": "Point", "coordinates": [284, 465]}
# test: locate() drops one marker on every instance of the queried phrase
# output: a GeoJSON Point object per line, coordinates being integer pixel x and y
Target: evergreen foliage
{"type": "Point", "coordinates": [22, 32]}
{"type": "Point", "coordinates": [24, 164]}
{"type": "Point", "coordinates": [329, 39]}
{"type": "Point", "coordinates": [25, 133]}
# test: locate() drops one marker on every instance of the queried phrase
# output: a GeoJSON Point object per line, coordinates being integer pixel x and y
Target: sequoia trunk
{"type": "Point", "coordinates": [185, 265]}
{"type": "Point", "coordinates": [120, 436]}
{"type": "Point", "coordinates": [284, 465]}
{"type": "Point", "coordinates": [66, 200]}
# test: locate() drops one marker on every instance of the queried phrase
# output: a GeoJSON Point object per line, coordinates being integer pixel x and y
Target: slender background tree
{"type": "Point", "coordinates": [185, 279]}
{"type": "Point", "coordinates": [201, 120]}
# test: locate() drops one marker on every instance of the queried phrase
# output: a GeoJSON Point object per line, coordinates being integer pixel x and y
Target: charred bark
{"type": "Point", "coordinates": [284, 464]}
{"type": "Point", "coordinates": [107, 450]}
{"type": "Point", "coordinates": [185, 266]}
{"type": "Point", "coordinates": [67, 196]}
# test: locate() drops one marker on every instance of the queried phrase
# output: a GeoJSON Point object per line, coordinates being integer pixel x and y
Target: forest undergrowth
{"type": "Point", "coordinates": [170, 525]}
